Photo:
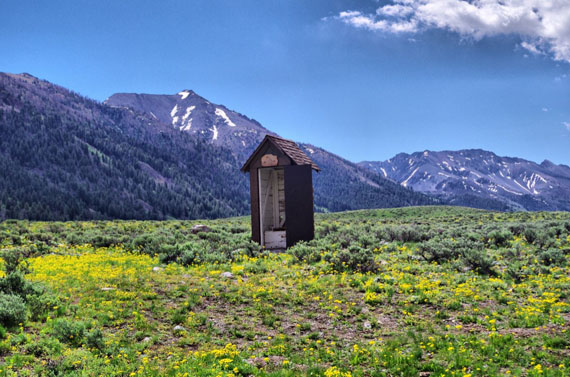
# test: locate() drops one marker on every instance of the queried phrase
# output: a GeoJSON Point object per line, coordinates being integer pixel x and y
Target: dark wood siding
{"type": "Point", "coordinates": [299, 203]}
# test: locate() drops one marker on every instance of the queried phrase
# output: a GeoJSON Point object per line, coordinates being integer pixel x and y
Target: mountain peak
{"type": "Point", "coordinates": [21, 76]}
{"type": "Point", "coordinates": [187, 93]}
{"type": "Point", "coordinates": [189, 112]}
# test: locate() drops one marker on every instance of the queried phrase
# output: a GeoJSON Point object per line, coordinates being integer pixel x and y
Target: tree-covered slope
{"type": "Point", "coordinates": [63, 156]}
{"type": "Point", "coordinates": [66, 157]}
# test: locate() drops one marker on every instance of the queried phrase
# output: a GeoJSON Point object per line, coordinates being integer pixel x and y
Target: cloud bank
{"type": "Point", "coordinates": [543, 25]}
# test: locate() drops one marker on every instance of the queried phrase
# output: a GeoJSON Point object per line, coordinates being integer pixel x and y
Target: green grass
{"type": "Point", "coordinates": [421, 291]}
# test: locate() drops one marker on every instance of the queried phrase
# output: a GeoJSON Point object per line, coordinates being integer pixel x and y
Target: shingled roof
{"type": "Point", "coordinates": [288, 147]}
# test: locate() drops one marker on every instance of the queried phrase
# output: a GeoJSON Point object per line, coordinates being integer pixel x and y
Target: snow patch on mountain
{"type": "Point", "coordinates": [187, 113]}
{"type": "Point", "coordinates": [184, 94]}
{"type": "Point", "coordinates": [222, 114]}
{"type": "Point", "coordinates": [187, 126]}
{"type": "Point", "coordinates": [405, 183]}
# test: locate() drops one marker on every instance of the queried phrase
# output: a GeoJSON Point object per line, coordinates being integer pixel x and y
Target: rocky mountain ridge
{"type": "Point", "coordinates": [193, 114]}
{"type": "Point", "coordinates": [476, 175]}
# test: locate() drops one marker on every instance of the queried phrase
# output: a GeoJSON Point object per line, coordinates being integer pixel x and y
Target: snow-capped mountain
{"type": "Point", "coordinates": [189, 112]}
{"type": "Point", "coordinates": [474, 176]}
{"type": "Point", "coordinates": [341, 185]}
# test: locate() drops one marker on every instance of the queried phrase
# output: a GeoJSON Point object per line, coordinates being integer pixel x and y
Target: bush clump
{"type": "Point", "coordinates": [403, 234]}
{"type": "Point", "coordinates": [438, 250]}
{"type": "Point", "coordinates": [478, 260]}
{"type": "Point", "coordinates": [305, 253]}
{"type": "Point", "coordinates": [94, 339]}
{"type": "Point", "coordinates": [552, 257]}
{"type": "Point", "coordinates": [530, 235]}
{"type": "Point", "coordinates": [354, 258]}
{"type": "Point", "coordinates": [69, 332]}
{"type": "Point", "coordinates": [12, 310]}
{"type": "Point", "coordinates": [500, 237]}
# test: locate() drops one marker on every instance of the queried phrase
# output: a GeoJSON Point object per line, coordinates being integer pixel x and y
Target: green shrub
{"type": "Point", "coordinates": [438, 250]}
{"type": "Point", "coordinates": [41, 305]}
{"type": "Point", "coordinates": [305, 253]}
{"type": "Point", "coordinates": [500, 238]}
{"type": "Point", "coordinates": [354, 259]}
{"type": "Point", "coordinates": [552, 257]}
{"type": "Point", "coordinates": [517, 229]}
{"type": "Point", "coordinates": [545, 239]}
{"type": "Point", "coordinates": [12, 310]}
{"type": "Point", "coordinates": [169, 253]}
{"type": "Point", "coordinates": [189, 257]}
{"type": "Point", "coordinates": [94, 339]}
{"type": "Point", "coordinates": [403, 234]}
{"type": "Point", "coordinates": [43, 347]}
{"type": "Point", "coordinates": [16, 284]}
{"type": "Point", "coordinates": [515, 271]}
{"type": "Point", "coordinates": [69, 332]}
{"type": "Point", "coordinates": [214, 257]}
{"type": "Point", "coordinates": [325, 229]}
{"type": "Point", "coordinates": [150, 243]}
{"type": "Point", "coordinates": [479, 261]}
{"type": "Point", "coordinates": [14, 260]}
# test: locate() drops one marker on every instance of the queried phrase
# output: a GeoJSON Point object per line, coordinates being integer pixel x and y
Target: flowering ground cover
{"type": "Point", "coordinates": [427, 291]}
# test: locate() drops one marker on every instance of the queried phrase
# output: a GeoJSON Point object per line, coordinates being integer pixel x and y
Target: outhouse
{"type": "Point", "coordinates": [281, 186]}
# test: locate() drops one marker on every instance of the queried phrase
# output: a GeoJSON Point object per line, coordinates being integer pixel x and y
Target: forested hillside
{"type": "Point", "coordinates": [63, 156]}
{"type": "Point", "coordinates": [66, 157]}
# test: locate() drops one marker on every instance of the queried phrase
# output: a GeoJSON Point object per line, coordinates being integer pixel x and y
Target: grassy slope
{"type": "Point", "coordinates": [277, 316]}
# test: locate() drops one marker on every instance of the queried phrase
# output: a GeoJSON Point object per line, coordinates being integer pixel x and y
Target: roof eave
{"type": "Point", "coordinates": [269, 138]}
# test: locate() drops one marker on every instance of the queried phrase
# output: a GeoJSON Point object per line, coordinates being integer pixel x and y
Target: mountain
{"type": "Point", "coordinates": [138, 156]}
{"type": "Point", "coordinates": [66, 157]}
{"type": "Point", "coordinates": [341, 185]}
{"type": "Point", "coordinates": [481, 179]}
{"type": "Point", "coordinates": [188, 112]}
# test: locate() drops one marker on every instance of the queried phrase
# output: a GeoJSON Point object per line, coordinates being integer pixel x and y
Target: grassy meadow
{"type": "Point", "coordinates": [424, 291]}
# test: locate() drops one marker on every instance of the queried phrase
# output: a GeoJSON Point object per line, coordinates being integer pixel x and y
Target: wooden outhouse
{"type": "Point", "coordinates": [281, 186]}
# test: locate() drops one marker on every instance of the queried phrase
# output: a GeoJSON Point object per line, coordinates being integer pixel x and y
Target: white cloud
{"type": "Point", "coordinates": [543, 25]}
{"type": "Point", "coordinates": [396, 10]}
{"type": "Point", "coordinates": [567, 125]}
{"type": "Point", "coordinates": [532, 47]}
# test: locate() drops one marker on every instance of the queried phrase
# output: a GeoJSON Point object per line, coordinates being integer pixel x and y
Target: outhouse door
{"type": "Point", "coordinates": [272, 213]}
{"type": "Point", "coordinates": [299, 203]}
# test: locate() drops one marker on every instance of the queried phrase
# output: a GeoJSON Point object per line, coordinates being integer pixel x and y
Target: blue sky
{"type": "Point", "coordinates": [363, 79]}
